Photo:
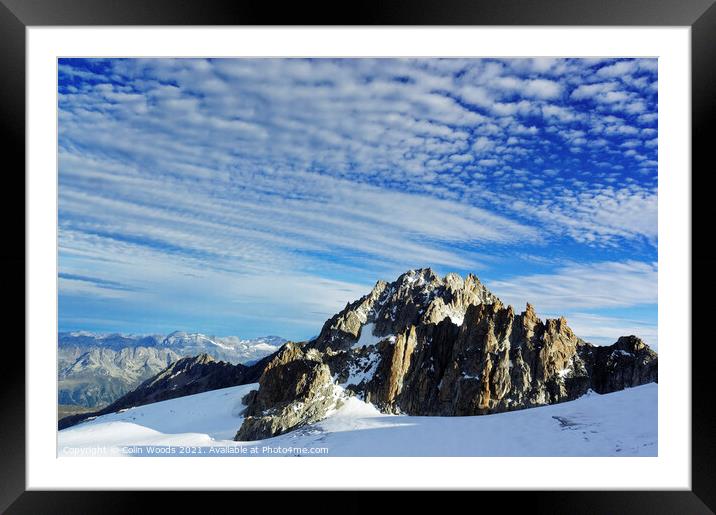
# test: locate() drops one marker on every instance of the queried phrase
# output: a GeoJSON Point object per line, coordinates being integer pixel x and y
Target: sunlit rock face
{"type": "Point", "coordinates": [418, 297]}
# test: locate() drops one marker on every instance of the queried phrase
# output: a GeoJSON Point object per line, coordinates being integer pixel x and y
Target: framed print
{"type": "Point", "coordinates": [418, 240]}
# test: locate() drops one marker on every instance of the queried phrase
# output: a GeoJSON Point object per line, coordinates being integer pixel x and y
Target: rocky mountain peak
{"type": "Point", "coordinates": [201, 359]}
{"type": "Point", "coordinates": [416, 297]}
{"type": "Point", "coordinates": [630, 343]}
{"type": "Point", "coordinates": [182, 338]}
{"type": "Point", "coordinates": [184, 365]}
{"type": "Point", "coordinates": [418, 277]}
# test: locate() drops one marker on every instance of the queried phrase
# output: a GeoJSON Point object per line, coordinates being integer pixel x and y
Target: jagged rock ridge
{"type": "Point", "coordinates": [423, 345]}
{"type": "Point", "coordinates": [417, 297]}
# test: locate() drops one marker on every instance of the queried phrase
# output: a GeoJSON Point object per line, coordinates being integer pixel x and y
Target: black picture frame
{"type": "Point", "coordinates": [17, 15]}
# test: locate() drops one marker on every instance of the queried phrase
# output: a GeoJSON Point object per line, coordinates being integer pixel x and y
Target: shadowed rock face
{"type": "Point", "coordinates": [445, 347]}
{"type": "Point", "coordinates": [629, 362]}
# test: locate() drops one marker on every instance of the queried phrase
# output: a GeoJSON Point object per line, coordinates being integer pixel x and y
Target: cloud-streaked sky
{"type": "Point", "coordinates": [258, 196]}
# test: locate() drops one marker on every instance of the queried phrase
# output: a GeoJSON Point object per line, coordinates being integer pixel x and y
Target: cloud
{"type": "Point", "coordinates": [593, 90]}
{"type": "Point", "coordinates": [482, 144]}
{"type": "Point", "coordinates": [542, 88]}
{"type": "Point", "coordinates": [579, 286]}
{"type": "Point", "coordinates": [625, 68]}
{"type": "Point", "coordinates": [528, 88]}
{"type": "Point", "coordinates": [562, 114]}
{"type": "Point", "coordinates": [612, 96]}
{"type": "Point", "coordinates": [572, 289]}
{"type": "Point", "coordinates": [99, 284]}
{"type": "Point", "coordinates": [605, 330]}
{"type": "Point", "coordinates": [172, 294]}
{"type": "Point", "coordinates": [605, 215]}
{"type": "Point", "coordinates": [275, 215]}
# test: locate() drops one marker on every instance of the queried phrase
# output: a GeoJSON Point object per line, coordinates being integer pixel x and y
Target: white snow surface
{"type": "Point", "coordinates": [456, 315]}
{"type": "Point", "coordinates": [618, 424]}
{"type": "Point", "coordinates": [367, 337]}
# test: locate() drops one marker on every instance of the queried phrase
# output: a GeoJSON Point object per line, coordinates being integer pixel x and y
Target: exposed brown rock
{"type": "Point", "coordinates": [296, 389]}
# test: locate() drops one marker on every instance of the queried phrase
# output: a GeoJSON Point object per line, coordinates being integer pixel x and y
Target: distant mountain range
{"type": "Point", "coordinates": [421, 345]}
{"type": "Point", "coordinates": [95, 369]}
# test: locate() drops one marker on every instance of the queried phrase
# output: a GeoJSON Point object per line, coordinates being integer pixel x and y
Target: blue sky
{"type": "Point", "coordinates": [257, 196]}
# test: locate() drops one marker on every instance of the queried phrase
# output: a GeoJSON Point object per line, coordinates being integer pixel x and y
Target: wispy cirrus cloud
{"type": "Point", "coordinates": [102, 284]}
{"type": "Point", "coordinates": [598, 299]}
{"type": "Point", "coordinates": [576, 286]}
{"type": "Point", "coordinates": [604, 330]}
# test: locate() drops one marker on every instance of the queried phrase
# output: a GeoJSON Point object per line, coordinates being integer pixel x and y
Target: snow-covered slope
{"type": "Point", "coordinates": [623, 423]}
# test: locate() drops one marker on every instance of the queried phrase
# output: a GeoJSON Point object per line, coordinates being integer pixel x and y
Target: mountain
{"type": "Point", "coordinates": [229, 348]}
{"type": "Point", "coordinates": [618, 424]}
{"type": "Point", "coordinates": [186, 376]}
{"type": "Point", "coordinates": [226, 348]}
{"type": "Point", "coordinates": [95, 369]}
{"type": "Point", "coordinates": [99, 375]}
{"type": "Point", "coordinates": [426, 345]}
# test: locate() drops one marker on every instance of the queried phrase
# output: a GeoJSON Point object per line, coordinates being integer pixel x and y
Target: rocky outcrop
{"type": "Point", "coordinates": [296, 389]}
{"type": "Point", "coordinates": [628, 362]}
{"type": "Point", "coordinates": [445, 347]}
{"type": "Point", "coordinates": [185, 376]}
